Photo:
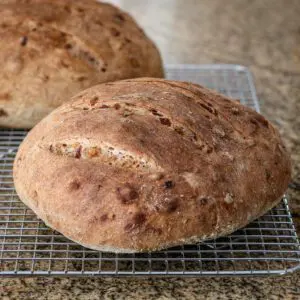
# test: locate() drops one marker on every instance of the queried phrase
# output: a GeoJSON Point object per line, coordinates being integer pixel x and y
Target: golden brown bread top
{"type": "Point", "coordinates": [50, 50]}
{"type": "Point", "coordinates": [148, 163]}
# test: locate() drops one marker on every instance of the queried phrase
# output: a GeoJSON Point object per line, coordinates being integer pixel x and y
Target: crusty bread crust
{"type": "Point", "coordinates": [144, 164]}
{"type": "Point", "coordinates": [52, 49]}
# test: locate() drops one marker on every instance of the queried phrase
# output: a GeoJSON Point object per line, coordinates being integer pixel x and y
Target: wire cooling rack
{"type": "Point", "coordinates": [28, 247]}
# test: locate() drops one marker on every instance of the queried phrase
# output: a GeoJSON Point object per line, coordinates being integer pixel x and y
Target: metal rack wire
{"type": "Point", "coordinates": [28, 247]}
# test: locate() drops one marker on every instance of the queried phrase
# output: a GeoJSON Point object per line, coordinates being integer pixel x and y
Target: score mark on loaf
{"type": "Point", "coordinates": [144, 164]}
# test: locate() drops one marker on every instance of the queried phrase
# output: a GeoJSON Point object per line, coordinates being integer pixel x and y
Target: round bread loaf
{"type": "Point", "coordinates": [52, 49]}
{"type": "Point", "coordinates": [144, 164]}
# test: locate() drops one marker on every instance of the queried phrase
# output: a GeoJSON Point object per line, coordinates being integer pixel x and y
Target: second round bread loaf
{"type": "Point", "coordinates": [52, 49]}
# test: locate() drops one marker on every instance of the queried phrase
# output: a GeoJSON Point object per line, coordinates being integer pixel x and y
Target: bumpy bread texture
{"type": "Point", "coordinates": [52, 49]}
{"type": "Point", "coordinates": [144, 164]}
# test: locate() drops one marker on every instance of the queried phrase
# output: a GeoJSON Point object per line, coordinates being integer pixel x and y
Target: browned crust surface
{"type": "Point", "coordinates": [52, 49]}
{"type": "Point", "coordinates": [148, 163]}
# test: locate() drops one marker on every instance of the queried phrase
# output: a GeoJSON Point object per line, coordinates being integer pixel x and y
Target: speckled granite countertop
{"type": "Point", "coordinates": [263, 35]}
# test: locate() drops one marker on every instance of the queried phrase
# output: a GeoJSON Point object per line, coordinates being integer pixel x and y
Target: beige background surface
{"type": "Point", "coordinates": [263, 35]}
